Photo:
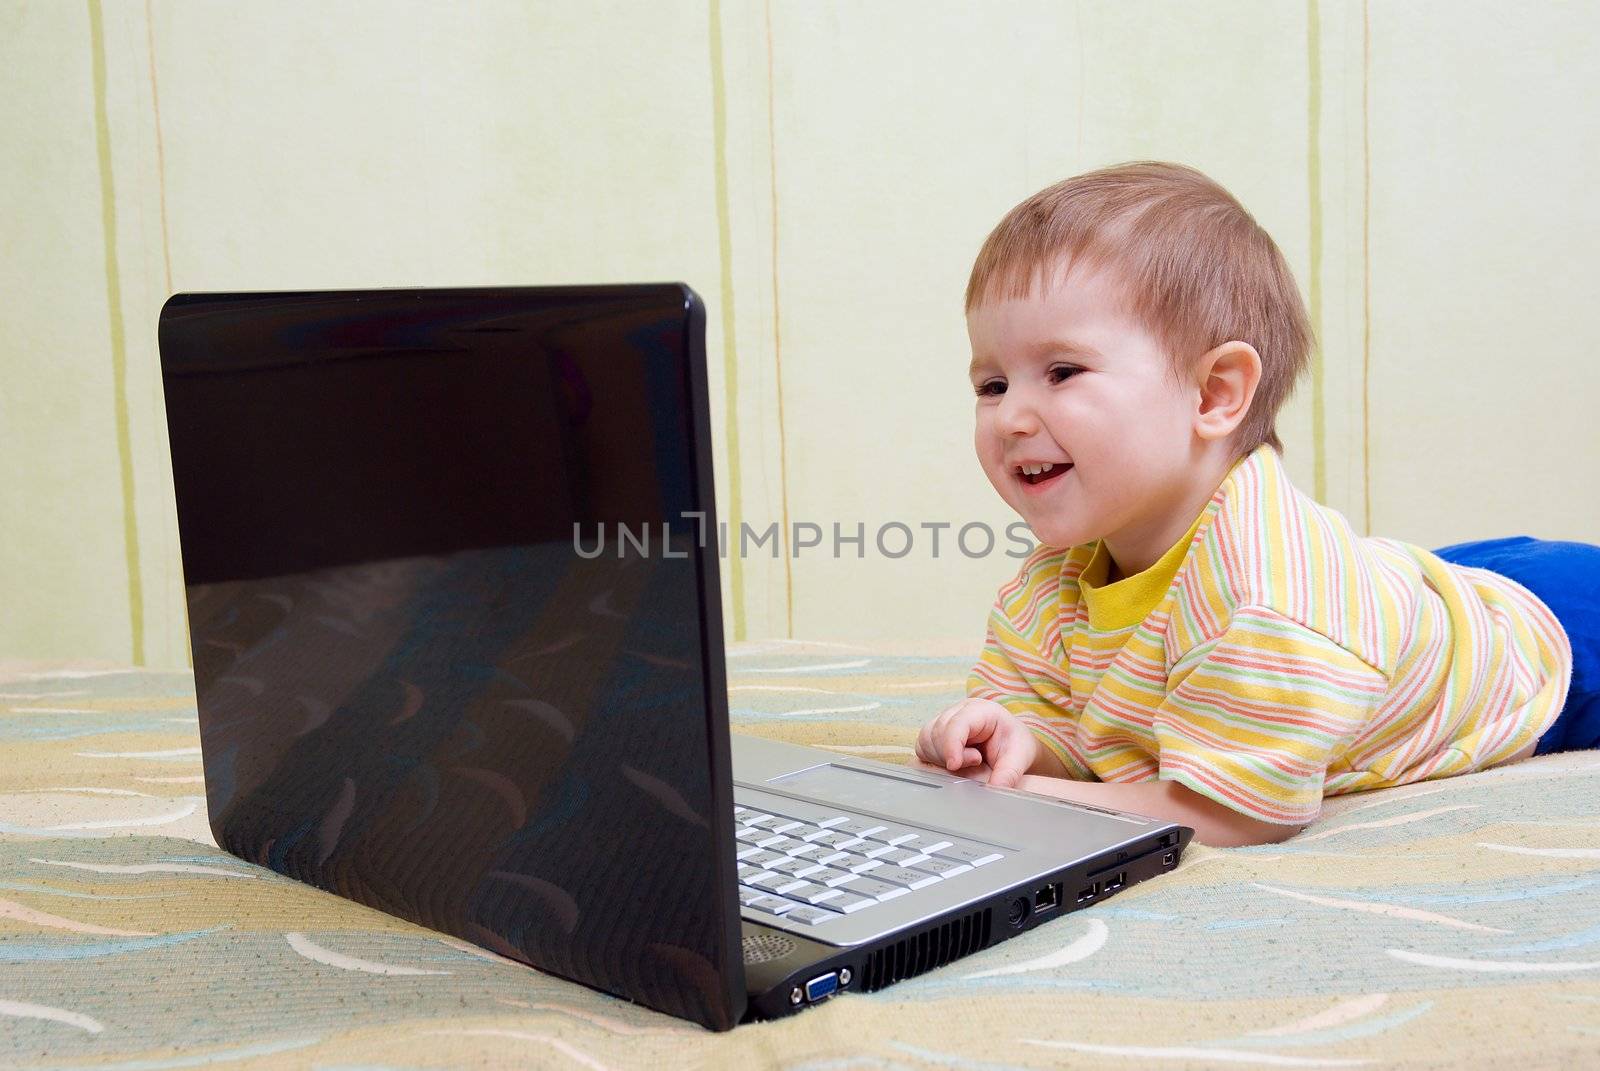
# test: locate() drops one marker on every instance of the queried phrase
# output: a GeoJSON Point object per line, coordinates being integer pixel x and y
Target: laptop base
{"type": "Point", "coordinates": [786, 972]}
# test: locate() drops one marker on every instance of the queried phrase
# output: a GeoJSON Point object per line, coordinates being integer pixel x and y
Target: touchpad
{"type": "Point", "coordinates": [847, 786]}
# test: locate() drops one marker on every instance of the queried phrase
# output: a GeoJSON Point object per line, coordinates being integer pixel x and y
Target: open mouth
{"type": "Point", "coordinates": [1044, 473]}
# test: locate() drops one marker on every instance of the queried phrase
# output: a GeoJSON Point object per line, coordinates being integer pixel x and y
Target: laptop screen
{"type": "Point", "coordinates": [457, 645]}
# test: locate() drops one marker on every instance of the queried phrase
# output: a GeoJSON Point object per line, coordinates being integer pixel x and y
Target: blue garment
{"type": "Point", "coordinates": [1566, 577]}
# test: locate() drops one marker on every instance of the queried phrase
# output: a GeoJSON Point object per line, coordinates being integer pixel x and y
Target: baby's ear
{"type": "Point", "coordinates": [1228, 376]}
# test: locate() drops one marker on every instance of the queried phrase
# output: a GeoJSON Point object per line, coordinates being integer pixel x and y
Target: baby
{"type": "Point", "coordinates": [1195, 639]}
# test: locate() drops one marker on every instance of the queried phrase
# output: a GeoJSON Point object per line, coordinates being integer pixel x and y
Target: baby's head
{"type": "Point", "coordinates": [1138, 331]}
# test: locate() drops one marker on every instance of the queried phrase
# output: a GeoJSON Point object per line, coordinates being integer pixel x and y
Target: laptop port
{"type": "Point", "coordinates": [822, 987]}
{"type": "Point", "coordinates": [1088, 892]}
{"type": "Point", "coordinates": [1047, 898]}
{"type": "Point", "coordinates": [1018, 911]}
{"type": "Point", "coordinates": [1114, 882]}
{"type": "Point", "coordinates": [1169, 858]}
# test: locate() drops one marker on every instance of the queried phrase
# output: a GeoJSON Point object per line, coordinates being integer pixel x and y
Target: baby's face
{"type": "Point", "coordinates": [1067, 378]}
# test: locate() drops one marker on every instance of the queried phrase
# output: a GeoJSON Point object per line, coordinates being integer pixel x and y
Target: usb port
{"type": "Point", "coordinates": [823, 986]}
{"type": "Point", "coordinates": [1088, 893]}
{"type": "Point", "coordinates": [1046, 898]}
{"type": "Point", "coordinates": [1114, 882]}
{"type": "Point", "coordinates": [1169, 858]}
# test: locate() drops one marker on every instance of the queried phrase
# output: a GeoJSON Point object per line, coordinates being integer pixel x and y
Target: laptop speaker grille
{"type": "Point", "coordinates": [766, 947]}
{"type": "Point", "coordinates": [924, 951]}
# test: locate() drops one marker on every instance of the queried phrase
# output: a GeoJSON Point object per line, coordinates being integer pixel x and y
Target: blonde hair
{"type": "Point", "coordinates": [1195, 267]}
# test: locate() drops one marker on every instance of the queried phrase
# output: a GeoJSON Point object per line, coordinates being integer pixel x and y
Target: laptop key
{"type": "Point", "coordinates": [775, 883]}
{"type": "Point", "coordinates": [763, 858]}
{"type": "Point", "coordinates": [860, 827]}
{"type": "Point", "coordinates": [776, 823]}
{"type": "Point", "coordinates": [761, 838]}
{"type": "Point", "coordinates": [798, 810]}
{"type": "Point", "coordinates": [814, 894]}
{"type": "Point", "coordinates": [830, 877]}
{"type": "Point", "coordinates": [878, 890]}
{"type": "Point", "coordinates": [849, 902]}
{"type": "Point", "coordinates": [907, 879]}
{"type": "Point", "coordinates": [856, 864]}
{"type": "Point", "coordinates": [874, 850]}
{"type": "Point", "coordinates": [835, 840]}
{"type": "Point", "coordinates": [811, 916]}
{"type": "Point", "coordinates": [775, 905]}
{"type": "Point", "coordinates": [945, 868]}
{"type": "Point", "coordinates": [784, 844]}
{"type": "Point", "coordinates": [894, 835]}
{"type": "Point", "coordinates": [796, 867]}
{"type": "Point", "coordinates": [831, 857]}
{"type": "Point", "coordinates": [972, 854]}
{"type": "Point", "coordinates": [900, 856]}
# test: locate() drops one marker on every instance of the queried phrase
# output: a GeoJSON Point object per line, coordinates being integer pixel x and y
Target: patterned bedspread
{"type": "Point", "coordinates": [1448, 924]}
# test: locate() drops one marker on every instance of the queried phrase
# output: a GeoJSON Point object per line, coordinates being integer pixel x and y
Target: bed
{"type": "Point", "coordinates": [1446, 924]}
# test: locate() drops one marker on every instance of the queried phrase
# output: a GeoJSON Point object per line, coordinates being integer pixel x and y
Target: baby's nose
{"type": "Point", "coordinates": [1017, 418]}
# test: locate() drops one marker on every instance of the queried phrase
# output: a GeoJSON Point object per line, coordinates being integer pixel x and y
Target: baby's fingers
{"type": "Point", "coordinates": [929, 748]}
{"type": "Point", "coordinates": [957, 735]}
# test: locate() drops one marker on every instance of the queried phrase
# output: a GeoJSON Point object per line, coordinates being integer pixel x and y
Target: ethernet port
{"type": "Point", "coordinates": [1047, 898]}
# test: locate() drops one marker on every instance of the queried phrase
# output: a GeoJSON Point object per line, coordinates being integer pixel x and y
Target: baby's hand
{"type": "Point", "coordinates": [978, 732]}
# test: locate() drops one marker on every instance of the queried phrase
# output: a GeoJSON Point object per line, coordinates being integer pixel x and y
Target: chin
{"type": "Point", "coordinates": [1059, 535]}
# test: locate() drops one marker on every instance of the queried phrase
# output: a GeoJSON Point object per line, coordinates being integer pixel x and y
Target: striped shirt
{"type": "Point", "coordinates": [1273, 657]}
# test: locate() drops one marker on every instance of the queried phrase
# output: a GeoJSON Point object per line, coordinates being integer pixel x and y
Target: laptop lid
{"type": "Point", "coordinates": [420, 686]}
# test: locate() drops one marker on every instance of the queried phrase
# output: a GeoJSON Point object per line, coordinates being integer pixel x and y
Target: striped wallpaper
{"type": "Point", "coordinates": [823, 174]}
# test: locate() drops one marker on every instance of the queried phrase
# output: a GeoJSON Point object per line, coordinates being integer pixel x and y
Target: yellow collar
{"type": "Point", "coordinates": [1131, 599]}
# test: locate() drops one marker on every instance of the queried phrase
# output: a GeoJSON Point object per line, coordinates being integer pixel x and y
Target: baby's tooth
{"type": "Point", "coordinates": [1046, 467]}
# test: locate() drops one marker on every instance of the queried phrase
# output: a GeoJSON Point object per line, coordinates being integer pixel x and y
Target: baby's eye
{"type": "Point", "coordinates": [1063, 372]}
{"type": "Point", "coordinates": [991, 388]}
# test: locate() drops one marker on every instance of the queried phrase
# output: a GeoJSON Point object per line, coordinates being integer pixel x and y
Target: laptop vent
{"type": "Point", "coordinates": [766, 947]}
{"type": "Point", "coordinates": [925, 951]}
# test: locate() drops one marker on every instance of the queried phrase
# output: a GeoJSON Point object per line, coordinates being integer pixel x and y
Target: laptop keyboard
{"type": "Point", "coordinates": [822, 863]}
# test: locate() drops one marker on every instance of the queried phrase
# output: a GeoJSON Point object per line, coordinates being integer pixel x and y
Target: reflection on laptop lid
{"type": "Point", "coordinates": [413, 690]}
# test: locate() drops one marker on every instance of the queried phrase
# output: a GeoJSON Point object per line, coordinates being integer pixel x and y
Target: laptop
{"type": "Point", "coordinates": [451, 574]}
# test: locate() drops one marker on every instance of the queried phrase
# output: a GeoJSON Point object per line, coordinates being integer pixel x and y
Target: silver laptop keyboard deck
{"type": "Point", "coordinates": [822, 863]}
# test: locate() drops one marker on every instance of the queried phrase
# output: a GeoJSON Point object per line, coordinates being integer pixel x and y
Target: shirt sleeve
{"type": "Point", "coordinates": [1253, 718]}
{"type": "Point", "coordinates": [1013, 673]}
